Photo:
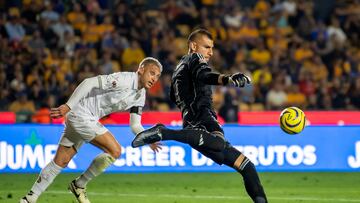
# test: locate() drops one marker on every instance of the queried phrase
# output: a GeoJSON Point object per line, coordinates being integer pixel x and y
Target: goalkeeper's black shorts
{"type": "Point", "coordinates": [206, 119]}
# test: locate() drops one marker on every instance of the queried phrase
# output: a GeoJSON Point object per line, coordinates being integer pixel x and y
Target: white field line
{"type": "Point", "coordinates": [179, 196]}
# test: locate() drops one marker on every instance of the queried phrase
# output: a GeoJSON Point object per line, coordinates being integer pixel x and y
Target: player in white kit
{"type": "Point", "coordinates": [93, 99]}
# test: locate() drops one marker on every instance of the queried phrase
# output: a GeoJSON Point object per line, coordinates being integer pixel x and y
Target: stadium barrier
{"type": "Point", "coordinates": [7, 118]}
{"type": "Point", "coordinates": [245, 118]}
{"type": "Point", "coordinates": [28, 147]}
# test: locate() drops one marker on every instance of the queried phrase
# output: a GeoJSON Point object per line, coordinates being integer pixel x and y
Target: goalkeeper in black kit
{"type": "Point", "coordinates": [191, 91]}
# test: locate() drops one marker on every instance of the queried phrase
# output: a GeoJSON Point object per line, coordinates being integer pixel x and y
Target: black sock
{"type": "Point", "coordinates": [195, 138]}
{"type": "Point", "coordinates": [252, 183]}
{"type": "Point", "coordinates": [247, 169]}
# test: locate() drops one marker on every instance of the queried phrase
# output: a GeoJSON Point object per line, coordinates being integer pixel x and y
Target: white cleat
{"type": "Point", "coordinates": [80, 193]}
{"type": "Point", "coordinates": [29, 198]}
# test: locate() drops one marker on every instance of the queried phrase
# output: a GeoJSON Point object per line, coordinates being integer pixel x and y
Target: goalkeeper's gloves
{"type": "Point", "coordinates": [237, 80]}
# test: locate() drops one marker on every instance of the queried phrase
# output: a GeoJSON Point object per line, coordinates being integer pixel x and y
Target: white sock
{"type": "Point", "coordinates": [97, 166]}
{"type": "Point", "coordinates": [46, 177]}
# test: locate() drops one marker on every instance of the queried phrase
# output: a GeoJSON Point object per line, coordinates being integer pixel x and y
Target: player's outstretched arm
{"type": "Point", "coordinates": [211, 78]}
{"type": "Point", "coordinates": [84, 88]}
{"type": "Point", "coordinates": [202, 72]}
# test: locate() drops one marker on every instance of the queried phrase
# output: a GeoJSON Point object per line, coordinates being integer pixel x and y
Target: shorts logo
{"type": "Point", "coordinates": [113, 84]}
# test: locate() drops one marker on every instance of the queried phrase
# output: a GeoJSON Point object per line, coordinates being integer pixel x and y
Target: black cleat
{"type": "Point", "coordinates": [148, 136]}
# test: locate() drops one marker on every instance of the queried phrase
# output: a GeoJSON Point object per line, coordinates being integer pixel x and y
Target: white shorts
{"type": "Point", "coordinates": [79, 130]}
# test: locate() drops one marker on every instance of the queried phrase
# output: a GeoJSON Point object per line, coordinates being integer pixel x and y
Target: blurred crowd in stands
{"type": "Point", "coordinates": [295, 58]}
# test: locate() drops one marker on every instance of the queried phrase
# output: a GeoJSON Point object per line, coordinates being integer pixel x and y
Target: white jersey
{"type": "Point", "coordinates": [116, 92]}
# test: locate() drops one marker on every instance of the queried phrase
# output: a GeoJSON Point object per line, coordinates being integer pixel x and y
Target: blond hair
{"type": "Point", "coordinates": [151, 60]}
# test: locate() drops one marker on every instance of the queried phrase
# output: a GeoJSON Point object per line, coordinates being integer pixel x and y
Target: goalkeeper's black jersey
{"type": "Point", "coordinates": [188, 89]}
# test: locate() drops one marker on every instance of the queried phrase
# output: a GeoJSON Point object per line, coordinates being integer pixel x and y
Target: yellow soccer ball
{"type": "Point", "coordinates": [292, 120]}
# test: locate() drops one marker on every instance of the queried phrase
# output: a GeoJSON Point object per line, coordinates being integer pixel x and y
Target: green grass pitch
{"type": "Point", "coordinates": [192, 188]}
